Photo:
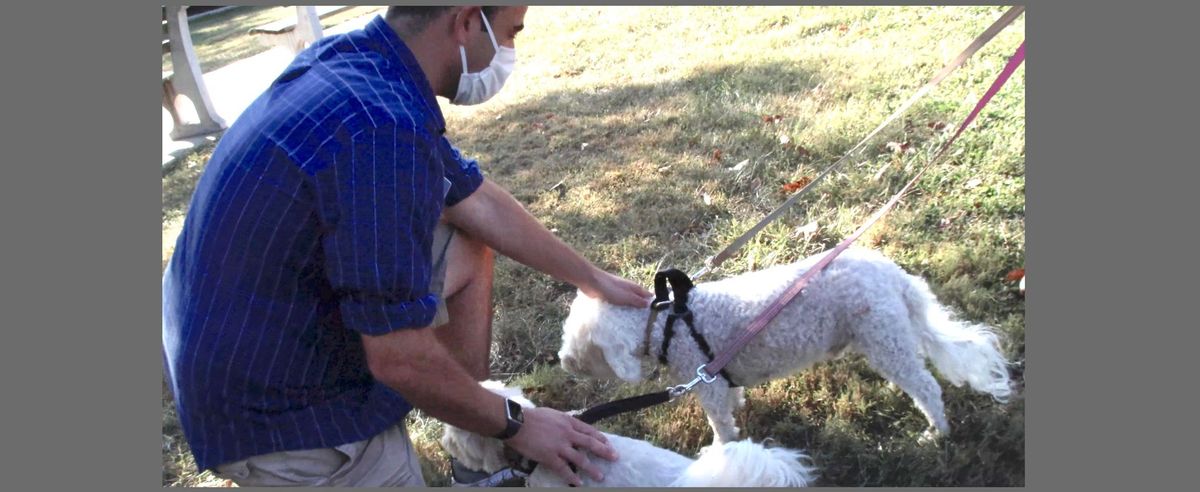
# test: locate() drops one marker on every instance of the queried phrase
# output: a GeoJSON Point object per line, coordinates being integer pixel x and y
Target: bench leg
{"type": "Point", "coordinates": [169, 95]}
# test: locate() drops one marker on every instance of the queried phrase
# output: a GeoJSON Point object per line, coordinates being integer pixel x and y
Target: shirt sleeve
{"type": "Point", "coordinates": [379, 205]}
{"type": "Point", "coordinates": [463, 174]}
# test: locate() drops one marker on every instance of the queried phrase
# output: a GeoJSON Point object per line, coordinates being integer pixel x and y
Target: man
{"type": "Point", "coordinates": [335, 267]}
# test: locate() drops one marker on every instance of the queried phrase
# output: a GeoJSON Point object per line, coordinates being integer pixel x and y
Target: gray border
{"type": "Point", "coordinates": [90, 422]}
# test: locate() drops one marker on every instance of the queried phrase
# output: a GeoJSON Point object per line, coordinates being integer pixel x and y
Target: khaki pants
{"type": "Point", "coordinates": [385, 460]}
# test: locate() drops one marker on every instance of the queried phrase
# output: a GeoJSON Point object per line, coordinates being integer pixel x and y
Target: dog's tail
{"type": "Point", "coordinates": [748, 464]}
{"type": "Point", "coordinates": [962, 352]}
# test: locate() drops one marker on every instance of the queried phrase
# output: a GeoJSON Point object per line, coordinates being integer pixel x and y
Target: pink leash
{"type": "Point", "coordinates": [707, 373]}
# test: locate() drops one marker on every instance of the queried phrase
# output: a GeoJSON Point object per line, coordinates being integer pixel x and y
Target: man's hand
{"type": "Point", "coordinates": [553, 439]}
{"type": "Point", "coordinates": [616, 290]}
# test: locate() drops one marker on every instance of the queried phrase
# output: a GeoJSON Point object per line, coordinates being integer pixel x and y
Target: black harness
{"type": "Point", "coordinates": [682, 286]}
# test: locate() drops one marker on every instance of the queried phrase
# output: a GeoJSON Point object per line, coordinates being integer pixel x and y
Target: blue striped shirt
{"type": "Point", "coordinates": [311, 225]}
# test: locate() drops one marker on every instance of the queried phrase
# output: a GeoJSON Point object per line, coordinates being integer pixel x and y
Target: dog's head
{"type": "Point", "coordinates": [601, 340]}
{"type": "Point", "coordinates": [479, 452]}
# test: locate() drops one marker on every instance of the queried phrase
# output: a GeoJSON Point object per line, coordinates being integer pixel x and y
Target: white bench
{"type": "Point", "coordinates": [284, 32]}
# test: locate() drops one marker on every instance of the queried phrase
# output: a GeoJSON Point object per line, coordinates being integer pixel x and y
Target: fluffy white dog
{"type": "Point", "coordinates": [862, 302]}
{"type": "Point", "coordinates": [640, 464]}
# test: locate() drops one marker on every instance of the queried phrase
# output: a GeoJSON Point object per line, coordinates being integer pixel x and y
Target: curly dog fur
{"type": "Point", "coordinates": [863, 302]}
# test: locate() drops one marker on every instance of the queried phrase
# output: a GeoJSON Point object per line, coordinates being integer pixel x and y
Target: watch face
{"type": "Point", "coordinates": [514, 411]}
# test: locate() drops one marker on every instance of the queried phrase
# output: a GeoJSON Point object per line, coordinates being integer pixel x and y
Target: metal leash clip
{"type": "Point", "coordinates": [701, 377]}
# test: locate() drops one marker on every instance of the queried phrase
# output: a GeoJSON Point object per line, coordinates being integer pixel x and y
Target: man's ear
{"type": "Point", "coordinates": [464, 20]}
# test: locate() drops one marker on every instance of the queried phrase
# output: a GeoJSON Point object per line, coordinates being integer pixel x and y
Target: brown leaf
{"type": "Point", "coordinates": [769, 118]}
{"type": "Point", "coordinates": [898, 147]}
{"type": "Point", "coordinates": [716, 155]}
{"type": "Point", "coordinates": [1015, 275]}
{"type": "Point", "coordinates": [797, 184]}
{"type": "Point", "coordinates": [842, 28]}
{"type": "Point", "coordinates": [937, 125]}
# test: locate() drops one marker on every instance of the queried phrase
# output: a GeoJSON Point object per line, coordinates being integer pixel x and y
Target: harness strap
{"type": "Point", "coordinates": [708, 353]}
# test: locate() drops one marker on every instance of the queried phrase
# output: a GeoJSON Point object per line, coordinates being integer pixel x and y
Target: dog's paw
{"type": "Point", "coordinates": [931, 437]}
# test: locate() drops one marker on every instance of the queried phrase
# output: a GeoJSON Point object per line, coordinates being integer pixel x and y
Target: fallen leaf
{"type": "Point", "coordinates": [974, 182]}
{"type": "Point", "coordinates": [797, 184]}
{"type": "Point", "coordinates": [937, 125]}
{"type": "Point", "coordinates": [898, 147]}
{"type": "Point", "coordinates": [740, 165]}
{"type": "Point", "coordinates": [716, 155]}
{"type": "Point", "coordinates": [1015, 275]}
{"type": "Point", "coordinates": [806, 229]}
{"type": "Point", "coordinates": [772, 118]}
{"type": "Point", "coordinates": [664, 168]}
{"type": "Point", "coordinates": [583, 146]}
{"type": "Point", "coordinates": [784, 139]}
{"type": "Point", "coordinates": [549, 116]}
{"type": "Point", "coordinates": [842, 28]}
{"type": "Point", "coordinates": [706, 198]}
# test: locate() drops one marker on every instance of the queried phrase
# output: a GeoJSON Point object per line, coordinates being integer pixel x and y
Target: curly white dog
{"type": "Point", "coordinates": [640, 464]}
{"type": "Point", "coordinates": [862, 302]}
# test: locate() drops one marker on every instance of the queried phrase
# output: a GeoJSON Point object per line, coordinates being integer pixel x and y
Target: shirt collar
{"type": "Point", "coordinates": [395, 51]}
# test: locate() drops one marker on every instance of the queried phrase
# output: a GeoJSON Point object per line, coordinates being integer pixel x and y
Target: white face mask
{"type": "Point", "coordinates": [474, 88]}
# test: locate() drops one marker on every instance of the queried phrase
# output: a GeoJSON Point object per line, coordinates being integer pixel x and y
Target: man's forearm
{"type": "Point", "coordinates": [432, 380]}
{"type": "Point", "coordinates": [492, 215]}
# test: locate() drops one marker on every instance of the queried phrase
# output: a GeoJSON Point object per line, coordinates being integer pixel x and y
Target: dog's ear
{"type": "Point", "coordinates": [623, 362]}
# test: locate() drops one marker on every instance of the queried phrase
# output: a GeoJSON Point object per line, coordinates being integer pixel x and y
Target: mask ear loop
{"type": "Point", "coordinates": [462, 52]}
{"type": "Point", "coordinates": [491, 35]}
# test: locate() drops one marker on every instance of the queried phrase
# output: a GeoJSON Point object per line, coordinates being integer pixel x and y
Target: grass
{"type": "Point", "coordinates": [223, 37]}
{"type": "Point", "coordinates": [620, 130]}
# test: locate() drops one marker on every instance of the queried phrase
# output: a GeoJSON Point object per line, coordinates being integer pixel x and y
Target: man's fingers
{"type": "Point", "coordinates": [560, 468]}
{"type": "Point", "coordinates": [596, 443]}
{"type": "Point", "coordinates": [583, 428]}
{"type": "Point", "coordinates": [582, 462]}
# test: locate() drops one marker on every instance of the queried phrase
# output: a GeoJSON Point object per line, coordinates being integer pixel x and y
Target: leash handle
{"type": "Point", "coordinates": [760, 322]}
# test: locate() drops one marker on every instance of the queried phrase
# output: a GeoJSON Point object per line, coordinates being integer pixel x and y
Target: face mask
{"type": "Point", "coordinates": [474, 88]}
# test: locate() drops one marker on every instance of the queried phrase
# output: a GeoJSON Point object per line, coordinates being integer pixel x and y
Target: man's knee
{"type": "Point", "coordinates": [468, 260]}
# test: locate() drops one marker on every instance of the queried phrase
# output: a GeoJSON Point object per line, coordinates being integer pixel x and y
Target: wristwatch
{"type": "Point", "coordinates": [515, 418]}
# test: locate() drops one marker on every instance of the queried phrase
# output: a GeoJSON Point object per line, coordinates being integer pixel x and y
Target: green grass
{"type": "Point", "coordinates": [653, 92]}
{"type": "Point", "coordinates": [223, 37]}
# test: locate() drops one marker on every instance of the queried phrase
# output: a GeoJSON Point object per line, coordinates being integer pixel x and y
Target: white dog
{"type": "Point", "coordinates": [862, 302]}
{"type": "Point", "coordinates": [640, 464]}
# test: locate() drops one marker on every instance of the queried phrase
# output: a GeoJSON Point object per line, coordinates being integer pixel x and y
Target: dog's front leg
{"type": "Point", "coordinates": [719, 401]}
